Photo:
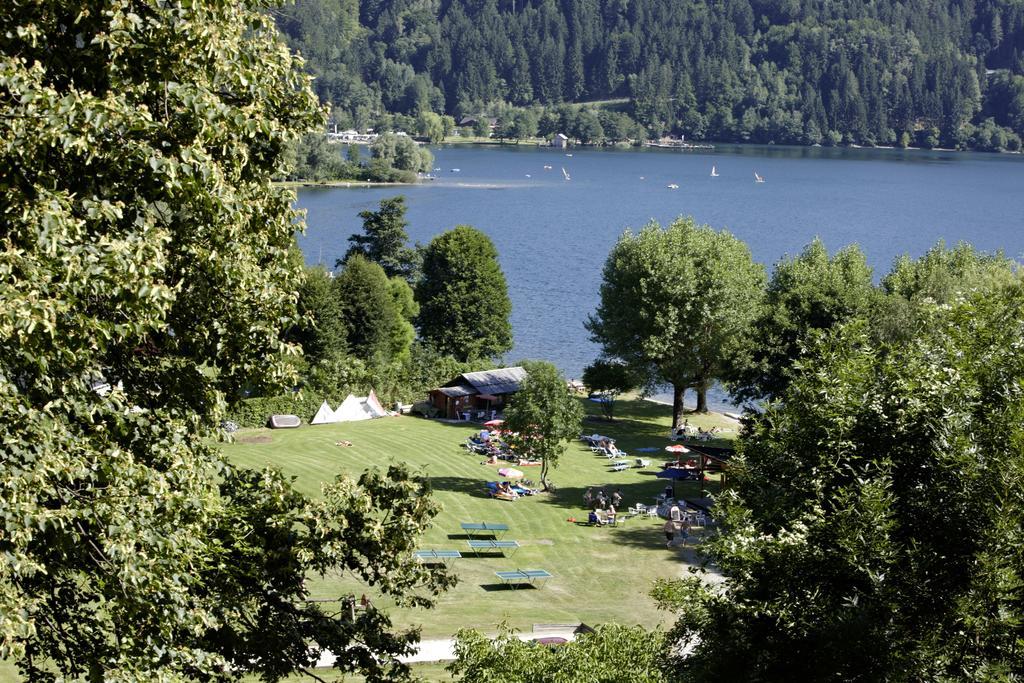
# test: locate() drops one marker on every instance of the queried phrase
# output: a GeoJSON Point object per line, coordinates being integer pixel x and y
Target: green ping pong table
{"type": "Point", "coordinates": [521, 576]}
{"type": "Point", "coordinates": [477, 546]}
{"type": "Point", "coordinates": [446, 556]}
{"type": "Point", "coordinates": [492, 528]}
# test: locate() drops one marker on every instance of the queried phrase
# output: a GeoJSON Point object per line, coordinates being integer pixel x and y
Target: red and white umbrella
{"type": "Point", "coordinates": [510, 473]}
{"type": "Point", "coordinates": [494, 423]}
{"type": "Point", "coordinates": [677, 448]}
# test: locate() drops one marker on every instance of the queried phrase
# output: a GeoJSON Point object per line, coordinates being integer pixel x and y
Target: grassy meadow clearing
{"type": "Point", "coordinates": [601, 574]}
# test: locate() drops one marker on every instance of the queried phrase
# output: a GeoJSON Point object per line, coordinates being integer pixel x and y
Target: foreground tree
{"type": "Point", "coordinates": [384, 240]}
{"type": "Point", "coordinates": [609, 654]}
{"type": "Point", "coordinates": [940, 275]}
{"type": "Point", "coordinates": [809, 293]}
{"type": "Point", "coordinates": [875, 524]}
{"type": "Point", "coordinates": [144, 279]}
{"type": "Point", "coordinates": [464, 304]}
{"type": "Point", "coordinates": [674, 303]}
{"type": "Point", "coordinates": [542, 416]}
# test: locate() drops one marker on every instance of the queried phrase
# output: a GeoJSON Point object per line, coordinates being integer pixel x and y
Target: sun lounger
{"type": "Point", "coordinates": [491, 528]}
{"type": "Point", "coordinates": [620, 465]}
{"type": "Point", "coordinates": [521, 576]}
{"type": "Point", "coordinates": [477, 546]}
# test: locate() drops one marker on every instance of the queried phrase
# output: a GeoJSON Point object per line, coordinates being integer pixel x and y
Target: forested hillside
{"type": "Point", "coordinates": [789, 71]}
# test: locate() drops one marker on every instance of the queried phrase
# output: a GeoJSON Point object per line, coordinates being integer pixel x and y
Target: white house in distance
{"type": "Point", "coordinates": [561, 141]}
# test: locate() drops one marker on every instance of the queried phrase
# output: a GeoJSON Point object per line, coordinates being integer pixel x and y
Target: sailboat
{"type": "Point", "coordinates": [714, 172]}
{"type": "Point", "coordinates": [757, 178]}
{"type": "Point", "coordinates": [565, 173]}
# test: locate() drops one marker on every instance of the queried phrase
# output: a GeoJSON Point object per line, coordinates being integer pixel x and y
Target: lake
{"type": "Point", "coordinates": [553, 235]}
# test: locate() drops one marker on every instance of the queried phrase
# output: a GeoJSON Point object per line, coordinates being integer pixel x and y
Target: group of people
{"type": "Point", "coordinates": [602, 501]}
{"type": "Point", "coordinates": [686, 430]}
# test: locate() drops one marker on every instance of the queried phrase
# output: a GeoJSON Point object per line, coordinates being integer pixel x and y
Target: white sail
{"type": "Point", "coordinates": [714, 172]}
{"type": "Point", "coordinates": [565, 173]}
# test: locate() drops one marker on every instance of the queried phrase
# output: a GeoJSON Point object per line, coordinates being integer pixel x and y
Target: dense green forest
{"type": "Point", "coordinates": [925, 72]}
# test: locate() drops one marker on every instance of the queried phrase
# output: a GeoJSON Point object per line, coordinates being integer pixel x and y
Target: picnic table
{"type": "Point", "coordinates": [492, 528]}
{"type": "Point", "coordinates": [521, 576]}
{"type": "Point", "coordinates": [477, 546]}
{"type": "Point", "coordinates": [445, 556]}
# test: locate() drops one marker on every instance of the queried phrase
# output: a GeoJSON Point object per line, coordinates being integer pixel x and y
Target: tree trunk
{"type": "Point", "coordinates": [544, 474]}
{"type": "Point", "coordinates": [677, 405]}
{"type": "Point", "coordinates": [702, 398]}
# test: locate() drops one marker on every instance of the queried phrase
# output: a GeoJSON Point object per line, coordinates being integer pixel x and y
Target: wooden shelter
{"type": "Point", "coordinates": [477, 394]}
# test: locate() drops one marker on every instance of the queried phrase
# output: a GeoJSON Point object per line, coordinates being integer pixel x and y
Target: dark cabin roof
{"type": "Point", "coordinates": [458, 390]}
{"type": "Point", "coordinates": [494, 382]}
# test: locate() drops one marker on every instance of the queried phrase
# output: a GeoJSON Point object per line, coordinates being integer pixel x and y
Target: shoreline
{"type": "Point", "coordinates": [337, 183]}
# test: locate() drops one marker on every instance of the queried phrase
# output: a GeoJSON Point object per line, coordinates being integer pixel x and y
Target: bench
{"type": "Point", "coordinates": [492, 528]}
{"type": "Point", "coordinates": [477, 546]}
{"type": "Point", "coordinates": [521, 576]}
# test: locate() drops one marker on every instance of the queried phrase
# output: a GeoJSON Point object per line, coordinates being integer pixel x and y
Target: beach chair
{"type": "Point", "coordinates": [620, 465]}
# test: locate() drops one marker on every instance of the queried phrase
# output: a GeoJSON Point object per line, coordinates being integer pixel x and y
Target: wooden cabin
{"type": "Point", "coordinates": [477, 394]}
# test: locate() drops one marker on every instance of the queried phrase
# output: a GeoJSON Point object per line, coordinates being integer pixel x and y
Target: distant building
{"type": "Point", "coordinates": [477, 393]}
{"type": "Point", "coordinates": [560, 141]}
{"type": "Point", "coordinates": [470, 121]}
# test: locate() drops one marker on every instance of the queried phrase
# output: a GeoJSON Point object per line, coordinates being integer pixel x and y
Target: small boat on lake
{"type": "Point", "coordinates": [568, 155]}
{"type": "Point", "coordinates": [456, 170]}
{"type": "Point", "coordinates": [565, 173]}
{"type": "Point", "coordinates": [714, 172]}
{"type": "Point", "coordinates": [757, 178]}
{"type": "Point", "coordinates": [673, 186]}
{"type": "Point", "coordinates": [547, 167]}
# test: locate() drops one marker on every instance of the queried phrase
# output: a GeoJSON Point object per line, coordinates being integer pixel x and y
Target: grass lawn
{"type": "Point", "coordinates": [600, 574]}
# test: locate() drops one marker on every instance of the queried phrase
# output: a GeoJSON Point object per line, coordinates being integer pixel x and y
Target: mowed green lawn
{"type": "Point", "coordinates": [600, 574]}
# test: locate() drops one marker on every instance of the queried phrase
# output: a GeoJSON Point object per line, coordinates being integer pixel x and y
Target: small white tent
{"type": "Point", "coordinates": [324, 415]}
{"type": "Point", "coordinates": [373, 405]}
{"type": "Point", "coordinates": [360, 408]}
{"type": "Point", "coordinates": [351, 410]}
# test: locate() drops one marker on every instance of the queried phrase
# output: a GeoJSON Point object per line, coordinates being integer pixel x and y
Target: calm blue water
{"type": "Point", "coordinates": [553, 235]}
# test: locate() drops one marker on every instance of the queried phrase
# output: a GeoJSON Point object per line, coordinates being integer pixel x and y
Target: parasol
{"type": "Point", "coordinates": [677, 448]}
{"type": "Point", "coordinates": [494, 423]}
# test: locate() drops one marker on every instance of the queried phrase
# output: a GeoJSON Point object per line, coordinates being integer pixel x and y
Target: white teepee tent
{"type": "Point", "coordinates": [373, 405]}
{"type": "Point", "coordinates": [324, 415]}
{"type": "Point", "coordinates": [351, 410]}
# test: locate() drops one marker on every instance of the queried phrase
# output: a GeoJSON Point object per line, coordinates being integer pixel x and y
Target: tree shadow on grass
{"type": "Point", "coordinates": [571, 497]}
{"type": "Point", "coordinates": [465, 485]}
{"type": "Point", "coordinates": [651, 536]}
